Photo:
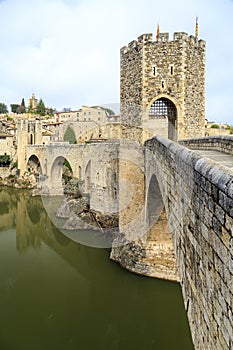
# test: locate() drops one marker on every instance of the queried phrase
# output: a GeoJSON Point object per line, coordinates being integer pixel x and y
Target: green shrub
{"type": "Point", "coordinates": [70, 136]}
{"type": "Point", "coordinates": [4, 160]}
{"type": "Point", "coordinates": [67, 164]}
{"type": "Point", "coordinates": [214, 126]}
{"type": "Point", "coordinates": [230, 127]}
{"type": "Point", "coordinates": [14, 165]}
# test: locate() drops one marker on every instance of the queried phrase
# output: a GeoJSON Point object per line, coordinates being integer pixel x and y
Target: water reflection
{"type": "Point", "coordinates": [7, 208]}
{"type": "Point", "coordinates": [33, 227]}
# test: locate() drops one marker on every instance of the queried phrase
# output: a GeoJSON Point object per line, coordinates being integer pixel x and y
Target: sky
{"type": "Point", "coordinates": [68, 51]}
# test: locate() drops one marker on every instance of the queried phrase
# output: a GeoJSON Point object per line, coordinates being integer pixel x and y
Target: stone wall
{"type": "Point", "coordinates": [5, 172]}
{"type": "Point", "coordinates": [198, 197]}
{"type": "Point", "coordinates": [6, 145]}
{"type": "Point", "coordinates": [131, 81]}
{"type": "Point", "coordinates": [104, 174]}
{"type": "Point", "coordinates": [219, 143]}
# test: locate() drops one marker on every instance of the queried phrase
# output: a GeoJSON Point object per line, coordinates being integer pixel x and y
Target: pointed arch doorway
{"type": "Point", "coordinates": [165, 109]}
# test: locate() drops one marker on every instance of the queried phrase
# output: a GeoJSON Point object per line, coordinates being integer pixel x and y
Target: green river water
{"type": "Point", "coordinates": [56, 294]}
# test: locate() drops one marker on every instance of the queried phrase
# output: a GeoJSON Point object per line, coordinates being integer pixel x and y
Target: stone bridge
{"type": "Point", "coordinates": [198, 197]}
{"type": "Point", "coordinates": [197, 194]}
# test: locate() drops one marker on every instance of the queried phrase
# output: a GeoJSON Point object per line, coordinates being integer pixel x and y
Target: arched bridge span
{"type": "Point", "coordinates": [89, 163]}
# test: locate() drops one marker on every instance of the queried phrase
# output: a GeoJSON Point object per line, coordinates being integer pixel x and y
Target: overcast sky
{"type": "Point", "coordinates": [67, 51]}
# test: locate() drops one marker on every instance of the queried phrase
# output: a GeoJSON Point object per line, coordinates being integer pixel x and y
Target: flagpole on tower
{"type": "Point", "coordinates": [157, 33]}
{"type": "Point", "coordinates": [196, 27]}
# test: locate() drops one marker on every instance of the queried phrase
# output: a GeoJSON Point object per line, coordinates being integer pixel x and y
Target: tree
{"type": "Point", "coordinates": [3, 108]}
{"type": "Point", "coordinates": [30, 108]}
{"type": "Point", "coordinates": [15, 108]}
{"type": "Point", "coordinates": [70, 135]}
{"type": "Point", "coordinates": [23, 107]}
{"type": "Point", "coordinates": [230, 127]}
{"type": "Point", "coordinates": [41, 110]}
{"type": "Point", "coordinates": [50, 111]}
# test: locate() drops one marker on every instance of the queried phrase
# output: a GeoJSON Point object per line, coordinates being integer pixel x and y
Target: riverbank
{"type": "Point", "coordinates": [23, 183]}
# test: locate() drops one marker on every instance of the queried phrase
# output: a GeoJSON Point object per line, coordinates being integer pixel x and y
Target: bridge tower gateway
{"type": "Point", "coordinates": [163, 85]}
{"type": "Point", "coordinates": [29, 133]}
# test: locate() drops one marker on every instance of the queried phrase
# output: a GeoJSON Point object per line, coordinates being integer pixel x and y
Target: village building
{"type": "Point", "coordinates": [217, 129]}
{"type": "Point", "coordinates": [6, 144]}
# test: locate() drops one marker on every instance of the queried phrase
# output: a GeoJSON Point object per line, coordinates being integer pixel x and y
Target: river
{"type": "Point", "coordinates": [56, 294]}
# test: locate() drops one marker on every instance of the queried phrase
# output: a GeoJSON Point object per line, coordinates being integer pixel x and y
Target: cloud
{"type": "Point", "coordinates": [67, 51]}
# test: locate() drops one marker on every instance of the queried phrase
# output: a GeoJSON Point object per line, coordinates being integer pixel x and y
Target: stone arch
{"type": "Point", "coordinates": [56, 173]}
{"type": "Point", "coordinates": [34, 165]}
{"type": "Point", "coordinates": [163, 111]}
{"type": "Point", "coordinates": [88, 177]}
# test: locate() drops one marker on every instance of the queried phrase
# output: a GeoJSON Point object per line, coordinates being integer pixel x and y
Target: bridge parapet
{"type": "Point", "coordinates": [198, 197]}
{"type": "Point", "coordinates": [219, 143]}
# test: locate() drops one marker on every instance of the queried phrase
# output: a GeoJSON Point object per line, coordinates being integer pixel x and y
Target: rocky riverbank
{"type": "Point", "coordinates": [27, 182]}
{"type": "Point", "coordinates": [79, 216]}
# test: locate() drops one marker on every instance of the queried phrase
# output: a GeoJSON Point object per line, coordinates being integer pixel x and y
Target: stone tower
{"type": "Point", "coordinates": [33, 102]}
{"type": "Point", "coordinates": [29, 132]}
{"type": "Point", "coordinates": [163, 85]}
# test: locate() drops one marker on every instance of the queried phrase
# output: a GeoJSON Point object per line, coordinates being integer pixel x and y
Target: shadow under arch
{"type": "Point", "coordinates": [154, 202]}
{"type": "Point", "coordinates": [159, 237]}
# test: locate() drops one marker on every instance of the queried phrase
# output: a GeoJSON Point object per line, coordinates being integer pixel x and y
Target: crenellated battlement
{"type": "Point", "coordinates": [163, 38]}
{"type": "Point", "coordinates": [145, 38]}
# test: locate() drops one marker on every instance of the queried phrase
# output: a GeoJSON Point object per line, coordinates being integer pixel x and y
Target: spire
{"type": "Point", "coordinates": [196, 27]}
{"type": "Point", "coordinates": [157, 33]}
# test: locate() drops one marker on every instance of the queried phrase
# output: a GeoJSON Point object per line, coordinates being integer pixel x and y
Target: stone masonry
{"type": "Point", "coordinates": [219, 143]}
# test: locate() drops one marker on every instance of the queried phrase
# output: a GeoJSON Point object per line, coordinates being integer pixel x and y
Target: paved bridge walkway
{"type": "Point", "coordinates": [216, 148]}
{"type": "Point", "coordinates": [217, 156]}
